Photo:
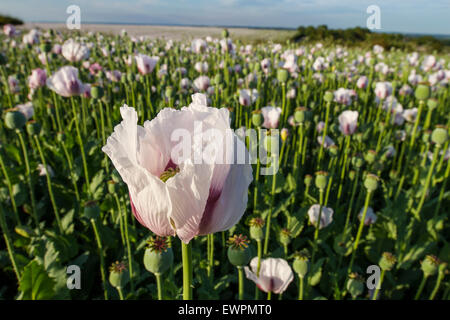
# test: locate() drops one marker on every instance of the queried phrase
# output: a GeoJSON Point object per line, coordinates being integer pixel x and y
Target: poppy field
{"type": "Point", "coordinates": [336, 186]}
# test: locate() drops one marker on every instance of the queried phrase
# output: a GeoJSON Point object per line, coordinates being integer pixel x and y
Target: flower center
{"type": "Point", "coordinates": [169, 173]}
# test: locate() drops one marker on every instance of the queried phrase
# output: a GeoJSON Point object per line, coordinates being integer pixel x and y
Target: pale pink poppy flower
{"type": "Point", "coordinates": [383, 90]}
{"type": "Point", "coordinates": [43, 171]}
{"type": "Point", "coordinates": [113, 75]}
{"type": "Point", "coordinates": [410, 114]}
{"type": "Point", "coordinates": [277, 48]}
{"type": "Point", "coordinates": [291, 121]}
{"type": "Point", "coordinates": [74, 51]}
{"type": "Point", "coordinates": [405, 90]}
{"type": "Point", "coordinates": [185, 83]}
{"type": "Point", "coordinates": [320, 126]}
{"type": "Point", "coordinates": [169, 194]}
{"type": "Point", "coordinates": [429, 63]}
{"type": "Point", "coordinates": [265, 65]}
{"type": "Point", "coordinates": [325, 218]}
{"type": "Point", "coordinates": [57, 49]}
{"type": "Point", "coordinates": [44, 58]}
{"type": "Point", "coordinates": [128, 59]}
{"type": "Point", "coordinates": [9, 30]}
{"type": "Point", "coordinates": [362, 82]}
{"type": "Point", "coordinates": [275, 274]}
{"type": "Point", "coordinates": [37, 78]}
{"type": "Point", "coordinates": [389, 151]}
{"type": "Point", "coordinates": [211, 90]}
{"type": "Point", "coordinates": [13, 83]}
{"type": "Point", "coordinates": [414, 78]}
{"type": "Point", "coordinates": [247, 96]}
{"type": "Point", "coordinates": [343, 96]}
{"type": "Point", "coordinates": [320, 64]}
{"type": "Point", "coordinates": [146, 64]}
{"type": "Point", "coordinates": [413, 59]}
{"type": "Point", "coordinates": [26, 109]}
{"type": "Point", "coordinates": [31, 37]}
{"type": "Point", "coordinates": [198, 45]}
{"type": "Point", "coordinates": [371, 217]}
{"type": "Point", "coordinates": [65, 82]}
{"type": "Point", "coordinates": [86, 90]}
{"type": "Point", "coordinates": [328, 141]}
{"type": "Point", "coordinates": [290, 63]}
{"type": "Point", "coordinates": [95, 68]}
{"type": "Point", "coordinates": [291, 93]}
{"type": "Point", "coordinates": [202, 83]}
{"type": "Point", "coordinates": [201, 67]}
{"type": "Point", "coordinates": [348, 122]}
{"type": "Point", "coordinates": [227, 45]}
{"type": "Point", "coordinates": [271, 117]}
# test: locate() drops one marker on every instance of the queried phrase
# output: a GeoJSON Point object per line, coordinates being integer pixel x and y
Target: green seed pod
{"type": "Point", "coordinates": [300, 115]}
{"type": "Point", "coordinates": [355, 285]}
{"type": "Point", "coordinates": [158, 257]}
{"type": "Point", "coordinates": [321, 180]}
{"type": "Point", "coordinates": [432, 103]}
{"type": "Point", "coordinates": [15, 119]}
{"type": "Point", "coordinates": [285, 236]}
{"type": "Point", "coordinates": [239, 257]}
{"type": "Point", "coordinates": [46, 47]}
{"type": "Point", "coordinates": [422, 91]}
{"type": "Point", "coordinates": [308, 180]}
{"type": "Point", "coordinates": [282, 75]}
{"type": "Point", "coordinates": [91, 210]}
{"type": "Point", "coordinates": [256, 233]}
{"type": "Point", "coordinates": [370, 156]}
{"type": "Point", "coordinates": [371, 182]}
{"type": "Point", "coordinates": [169, 92]}
{"type": "Point", "coordinates": [61, 136]}
{"type": "Point", "coordinates": [218, 79]}
{"type": "Point", "coordinates": [301, 263]}
{"type": "Point", "coordinates": [113, 187]}
{"type": "Point", "coordinates": [334, 150]}
{"type": "Point", "coordinates": [352, 175]}
{"type": "Point", "coordinates": [387, 261]}
{"type": "Point", "coordinates": [439, 136]}
{"type": "Point", "coordinates": [329, 96]}
{"type": "Point", "coordinates": [426, 136]}
{"type": "Point", "coordinates": [393, 174]}
{"type": "Point", "coordinates": [225, 33]}
{"type": "Point", "coordinates": [357, 161]}
{"type": "Point", "coordinates": [97, 92]}
{"type": "Point", "coordinates": [33, 128]}
{"type": "Point", "coordinates": [359, 137]}
{"type": "Point", "coordinates": [119, 276]}
{"type": "Point", "coordinates": [430, 265]}
{"type": "Point", "coordinates": [257, 118]}
{"type": "Point", "coordinates": [239, 253]}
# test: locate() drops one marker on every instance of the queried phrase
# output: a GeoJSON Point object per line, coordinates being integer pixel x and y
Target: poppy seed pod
{"type": "Point", "coordinates": [158, 256]}
{"type": "Point", "coordinates": [218, 79]}
{"type": "Point", "coordinates": [371, 182]}
{"type": "Point", "coordinates": [355, 285]}
{"type": "Point", "coordinates": [329, 96]}
{"type": "Point", "coordinates": [15, 119]}
{"type": "Point", "coordinates": [239, 253]}
{"type": "Point", "coordinates": [387, 261]}
{"type": "Point", "coordinates": [432, 103]}
{"type": "Point", "coordinates": [113, 187]}
{"type": "Point", "coordinates": [285, 236]}
{"type": "Point", "coordinates": [352, 175]}
{"type": "Point", "coordinates": [370, 156]}
{"type": "Point", "coordinates": [91, 210]}
{"type": "Point", "coordinates": [225, 33]}
{"type": "Point", "coordinates": [257, 118]}
{"type": "Point", "coordinates": [321, 180]}
{"type": "Point", "coordinates": [300, 115]}
{"type": "Point", "coordinates": [33, 128]}
{"type": "Point", "coordinates": [97, 92]}
{"type": "Point", "coordinates": [357, 161]}
{"type": "Point", "coordinates": [307, 180]}
{"type": "Point", "coordinates": [430, 265]}
{"type": "Point", "coordinates": [119, 276]}
{"type": "Point", "coordinates": [422, 91]}
{"type": "Point", "coordinates": [301, 263]}
{"type": "Point", "coordinates": [439, 136]}
{"type": "Point", "coordinates": [282, 75]}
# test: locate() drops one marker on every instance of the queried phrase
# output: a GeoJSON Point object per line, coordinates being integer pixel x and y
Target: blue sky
{"type": "Point", "coordinates": [413, 16]}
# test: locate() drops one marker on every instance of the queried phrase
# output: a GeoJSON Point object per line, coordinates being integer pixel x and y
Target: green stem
{"type": "Point", "coordinates": [422, 285]}
{"type": "Point", "coordinates": [441, 276]}
{"type": "Point", "coordinates": [9, 246]}
{"type": "Point", "coordinates": [269, 295]}
{"type": "Point", "coordinates": [10, 190]}
{"type": "Point", "coordinates": [159, 285]}
{"type": "Point", "coordinates": [30, 184]}
{"type": "Point", "coordinates": [119, 289]}
{"type": "Point", "coordinates": [127, 239]}
{"type": "Point", "coordinates": [80, 141]}
{"type": "Point", "coordinates": [375, 294]}
{"type": "Point", "coordinates": [300, 288]}
{"type": "Point", "coordinates": [186, 252]}
{"type": "Point", "coordinates": [49, 185]}
{"type": "Point", "coordinates": [241, 282]}
{"type": "Point", "coordinates": [102, 261]}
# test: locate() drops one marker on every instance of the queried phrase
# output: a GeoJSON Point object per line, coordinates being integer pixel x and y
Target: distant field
{"type": "Point", "coordinates": [177, 32]}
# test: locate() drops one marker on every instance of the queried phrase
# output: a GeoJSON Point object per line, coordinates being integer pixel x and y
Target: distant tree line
{"type": "Point", "coordinates": [9, 20]}
{"type": "Point", "coordinates": [364, 37]}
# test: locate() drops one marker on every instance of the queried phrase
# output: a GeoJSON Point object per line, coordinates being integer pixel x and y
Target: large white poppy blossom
{"type": "Point", "coordinates": [74, 51]}
{"type": "Point", "coordinates": [171, 196]}
{"type": "Point", "coordinates": [275, 274]}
